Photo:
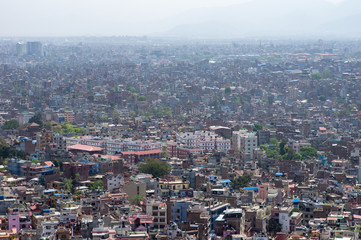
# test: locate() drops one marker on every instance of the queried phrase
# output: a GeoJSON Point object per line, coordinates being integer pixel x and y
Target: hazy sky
{"type": "Point", "coordinates": [95, 17]}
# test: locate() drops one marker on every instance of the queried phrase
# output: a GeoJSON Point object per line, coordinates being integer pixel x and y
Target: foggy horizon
{"type": "Point", "coordinates": [181, 19]}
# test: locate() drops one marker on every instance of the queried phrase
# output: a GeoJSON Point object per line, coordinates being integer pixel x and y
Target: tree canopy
{"type": "Point", "coordinates": [308, 152]}
{"type": "Point", "coordinates": [241, 182]}
{"type": "Point", "coordinates": [257, 127]}
{"type": "Point", "coordinates": [286, 152]}
{"type": "Point", "coordinates": [316, 76]}
{"type": "Point", "coordinates": [6, 151]}
{"type": "Point", "coordinates": [97, 185]}
{"type": "Point", "coordinates": [36, 119]}
{"type": "Point", "coordinates": [274, 226]}
{"type": "Point", "coordinates": [68, 128]}
{"type": "Point", "coordinates": [155, 167]}
{"type": "Point", "coordinates": [142, 98]}
{"type": "Point", "coordinates": [11, 124]}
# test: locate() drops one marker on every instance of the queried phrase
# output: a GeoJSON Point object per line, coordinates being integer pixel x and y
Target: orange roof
{"type": "Point", "coordinates": [86, 148]}
{"type": "Point", "coordinates": [128, 152]}
{"type": "Point", "coordinates": [49, 163]}
{"type": "Point", "coordinates": [148, 152]}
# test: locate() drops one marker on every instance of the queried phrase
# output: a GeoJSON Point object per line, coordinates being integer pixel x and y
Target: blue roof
{"type": "Point", "coordinates": [50, 191]}
{"type": "Point", "coordinates": [224, 181]}
{"type": "Point", "coordinates": [48, 171]}
{"type": "Point", "coordinates": [296, 200]}
{"type": "Point", "coordinates": [250, 188]}
{"type": "Point", "coordinates": [279, 174]}
{"type": "Point", "coordinates": [46, 210]}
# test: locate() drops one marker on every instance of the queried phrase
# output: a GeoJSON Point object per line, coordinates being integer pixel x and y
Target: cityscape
{"type": "Point", "coordinates": [136, 137]}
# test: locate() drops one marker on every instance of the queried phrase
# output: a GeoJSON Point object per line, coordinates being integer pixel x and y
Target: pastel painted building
{"type": "Point", "coordinates": [19, 217]}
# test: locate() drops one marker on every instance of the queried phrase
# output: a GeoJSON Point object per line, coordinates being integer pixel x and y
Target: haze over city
{"type": "Point", "coordinates": [180, 119]}
{"type": "Point", "coordinates": [186, 18]}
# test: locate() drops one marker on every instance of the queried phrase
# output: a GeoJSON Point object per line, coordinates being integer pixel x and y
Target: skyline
{"type": "Point", "coordinates": [42, 18]}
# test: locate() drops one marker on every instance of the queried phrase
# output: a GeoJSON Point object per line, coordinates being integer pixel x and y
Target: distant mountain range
{"type": "Point", "coordinates": [271, 18]}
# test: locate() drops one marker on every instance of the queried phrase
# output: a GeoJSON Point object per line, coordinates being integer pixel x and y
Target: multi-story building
{"type": "Point", "coordinates": [179, 211]}
{"type": "Point", "coordinates": [43, 139]}
{"type": "Point", "coordinates": [196, 143]}
{"type": "Point", "coordinates": [69, 116]}
{"type": "Point", "coordinates": [49, 227]}
{"type": "Point", "coordinates": [19, 217]}
{"type": "Point", "coordinates": [244, 141]}
{"type": "Point", "coordinates": [232, 219]}
{"type": "Point", "coordinates": [114, 146]}
{"type": "Point", "coordinates": [112, 182]}
{"type": "Point", "coordinates": [135, 188]}
{"type": "Point", "coordinates": [15, 166]}
{"type": "Point", "coordinates": [72, 169]}
{"type": "Point", "coordinates": [34, 48]}
{"type": "Point", "coordinates": [166, 189]}
{"type": "Point", "coordinates": [158, 210]}
{"type": "Point", "coordinates": [263, 137]}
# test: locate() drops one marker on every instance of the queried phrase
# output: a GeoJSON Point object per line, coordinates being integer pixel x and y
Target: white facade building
{"type": "Point", "coordinates": [112, 146]}
{"type": "Point", "coordinates": [205, 140]}
{"type": "Point", "coordinates": [284, 220]}
{"type": "Point", "coordinates": [244, 141]}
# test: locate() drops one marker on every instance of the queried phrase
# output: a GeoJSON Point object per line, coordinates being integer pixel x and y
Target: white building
{"type": "Point", "coordinates": [112, 146]}
{"type": "Point", "coordinates": [244, 141]}
{"type": "Point", "coordinates": [158, 210]}
{"type": "Point", "coordinates": [49, 228]}
{"type": "Point", "coordinates": [205, 140]}
{"type": "Point", "coordinates": [284, 220]}
{"type": "Point", "coordinates": [113, 182]}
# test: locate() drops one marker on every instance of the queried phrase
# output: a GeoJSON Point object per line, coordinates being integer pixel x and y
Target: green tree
{"type": "Point", "coordinates": [67, 185]}
{"type": "Point", "coordinates": [11, 124]}
{"type": "Point", "coordinates": [36, 119]}
{"type": "Point", "coordinates": [322, 98]}
{"type": "Point", "coordinates": [155, 167]}
{"type": "Point", "coordinates": [264, 147]}
{"type": "Point", "coordinates": [283, 148]}
{"type": "Point", "coordinates": [308, 152]}
{"type": "Point", "coordinates": [132, 114]}
{"type": "Point", "coordinates": [257, 127]}
{"type": "Point", "coordinates": [35, 161]}
{"type": "Point", "coordinates": [181, 117]}
{"type": "Point", "coordinates": [47, 125]}
{"type": "Point", "coordinates": [274, 226]}
{"type": "Point", "coordinates": [80, 131]}
{"type": "Point", "coordinates": [135, 200]}
{"type": "Point", "coordinates": [273, 141]}
{"type": "Point", "coordinates": [142, 98]}
{"type": "Point", "coordinates": [327, 74]}
{"type": "Point", "coordinates": [241, 182]}
{"type": "Point", "coordinates": [316, 76]}
{"type": "Point", "coordinates": [273, 153]}
{"type": "Point", "coordinates": [132, 89]}
{"type": "Point", "coordinates": [97, 185]}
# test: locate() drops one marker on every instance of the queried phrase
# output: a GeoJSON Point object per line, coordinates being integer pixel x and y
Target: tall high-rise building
{"type": "Point", "coordinates": [34, 48]}
{"type": "Point", "coordinates": [19, 49]}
